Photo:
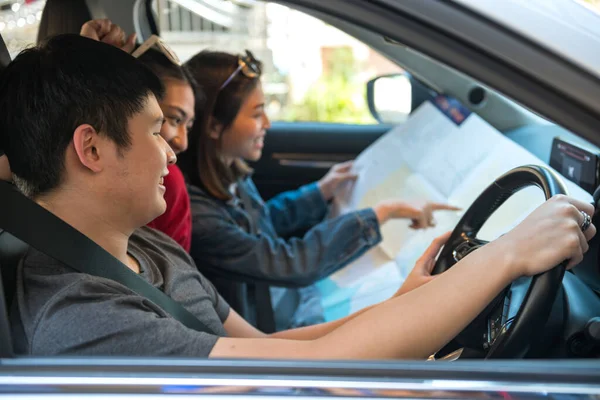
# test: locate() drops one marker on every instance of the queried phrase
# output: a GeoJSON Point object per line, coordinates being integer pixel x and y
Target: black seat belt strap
{"type": "Point", "coordinates": [265, 315]}
{"type": "Point", "coordinates": [47, 233]}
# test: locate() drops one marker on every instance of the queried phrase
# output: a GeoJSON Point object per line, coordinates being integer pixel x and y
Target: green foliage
{"type": "Point", "coordinates": [336, 96]}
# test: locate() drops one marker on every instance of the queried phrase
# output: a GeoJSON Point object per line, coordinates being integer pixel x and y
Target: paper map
{"type": "Point", "coordinates": [442, 153]}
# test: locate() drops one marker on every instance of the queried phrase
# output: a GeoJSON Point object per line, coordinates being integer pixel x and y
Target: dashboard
{"type": "Point", "coordinates": [575, 163]}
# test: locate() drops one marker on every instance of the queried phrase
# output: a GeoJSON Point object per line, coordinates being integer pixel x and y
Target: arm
{"type": "Point", "coordinates": [237, 327]}
{"type": "Point", "coordinates": [297, 210]}
{"type": "Point", "coordinates": [301, 209]}
{"type": "Point", "coordinates": [221, 244]}
{"type": "Point", "coordinates": [411, 326]}
{"type": "Point", "coordinates": [420, 322]}
{"type": "Point", "coordinates": [420, 275]}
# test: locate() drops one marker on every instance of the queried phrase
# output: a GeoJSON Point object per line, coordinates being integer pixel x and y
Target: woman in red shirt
{"type": "Point", "coordinates": [178, 108]}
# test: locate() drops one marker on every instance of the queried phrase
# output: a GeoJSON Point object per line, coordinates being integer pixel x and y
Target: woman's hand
{"type": "Point", "coordinates": [105, 31]}
{"type": "Point", "coordinates": [421, 215]}
{"type": "Point", "coordinates": [421, 273]}
{"type": "Point", "coordinates": [337, 175]}
{"type": "Point", "coordinates": [548, 236]}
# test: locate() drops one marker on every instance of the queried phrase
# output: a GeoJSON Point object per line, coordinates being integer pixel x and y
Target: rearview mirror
{"type": "Point", "coordinates": [392, 98]}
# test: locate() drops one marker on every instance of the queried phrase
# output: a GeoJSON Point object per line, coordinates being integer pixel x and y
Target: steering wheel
{"type": "Point", "coordinates": [492, 333]}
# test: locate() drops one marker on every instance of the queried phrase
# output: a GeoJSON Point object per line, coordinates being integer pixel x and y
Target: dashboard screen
{"type": "Point", "coordinates": [575, 164]}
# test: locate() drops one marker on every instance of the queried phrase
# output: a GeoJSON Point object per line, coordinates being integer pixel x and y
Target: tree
{"type": "Point", "coordinates": [337, 96]}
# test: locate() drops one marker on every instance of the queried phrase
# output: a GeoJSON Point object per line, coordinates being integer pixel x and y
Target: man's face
{"type": "Point", "coordinates": [134, 178]}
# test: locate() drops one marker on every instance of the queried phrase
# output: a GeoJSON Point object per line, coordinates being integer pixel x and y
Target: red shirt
{"type": "Point", "coordinates": [176, 222]}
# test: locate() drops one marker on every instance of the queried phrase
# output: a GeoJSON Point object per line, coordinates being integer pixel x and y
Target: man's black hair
{"type": "Point", "coordinates": [50, 90]}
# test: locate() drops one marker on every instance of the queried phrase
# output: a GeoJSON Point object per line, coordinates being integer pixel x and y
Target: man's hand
{"type": "Point", "coordinates": [105, 31]}
{"type": "Point", "coordinates": [421, 273]}
{"type": "Point", "coordinates": [421, 215]}
{"type": "Point", "coordinates": [337, 175]}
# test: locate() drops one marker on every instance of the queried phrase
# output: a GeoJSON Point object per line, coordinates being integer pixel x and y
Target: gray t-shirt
{"type": "Point", "coordinates": [59, 311]}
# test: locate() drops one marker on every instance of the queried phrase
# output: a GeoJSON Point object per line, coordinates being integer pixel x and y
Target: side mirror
{"type": "Point", "coordinates": [391, 98]}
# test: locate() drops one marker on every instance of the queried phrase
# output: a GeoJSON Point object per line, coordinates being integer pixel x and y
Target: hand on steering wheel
{"type": "Point", "coordinates": [553, 235]}
{"type": "Point", "coordinates": [558, 225]}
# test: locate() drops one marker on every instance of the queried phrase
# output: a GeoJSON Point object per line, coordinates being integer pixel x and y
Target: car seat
{"type": "Point", "coordinates": [11, 251]}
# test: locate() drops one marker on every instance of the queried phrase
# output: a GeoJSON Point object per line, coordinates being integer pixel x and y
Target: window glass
{"type": "Point", "coordinates": [19, 23]}
{"type": "Point", "coordinates": [312, 71]}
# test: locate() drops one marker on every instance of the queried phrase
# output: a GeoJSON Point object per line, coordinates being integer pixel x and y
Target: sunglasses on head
{"type": "Point", "coordinates": [155, 41]}
{"type": "Point", "coordinates": [247, 65]}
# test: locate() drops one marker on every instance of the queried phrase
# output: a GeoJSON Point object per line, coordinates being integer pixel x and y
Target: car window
{"type": "Point", "coordinates": [19, 23]}
{"type": "Point", "coordinates": [312, 71]}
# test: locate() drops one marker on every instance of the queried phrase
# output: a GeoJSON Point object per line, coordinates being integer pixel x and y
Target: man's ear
{"type": "Point", "coordinates": [215, 128]}
{"type": "Point", "coordinates": [86, 142]}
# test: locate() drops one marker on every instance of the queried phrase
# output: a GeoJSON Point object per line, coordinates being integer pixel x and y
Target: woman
{"type": "Point", "coordinates": [177, 106]}
{"type": "Point", "coordinates": [236, 231]}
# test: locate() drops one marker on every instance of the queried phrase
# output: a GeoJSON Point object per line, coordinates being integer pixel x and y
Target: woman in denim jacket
{"type": "Point", "coordinates": [235, 231]}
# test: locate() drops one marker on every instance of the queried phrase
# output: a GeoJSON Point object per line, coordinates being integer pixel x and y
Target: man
{"type": "Point", "coordinates": [80, 125]}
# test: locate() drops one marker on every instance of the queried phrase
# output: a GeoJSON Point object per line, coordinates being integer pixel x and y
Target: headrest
{"type": "Point", "coordinates": [4, 54]}
{"type": "Point", "coordinates": [4, 61]}
{"type": "Point", "coordinates": [11, 252]}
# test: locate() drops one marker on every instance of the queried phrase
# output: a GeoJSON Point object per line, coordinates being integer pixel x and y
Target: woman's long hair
{"type": "Point", "coordinates": [202, 163]}
{"type": "Point", "coordinates": [166, 70]}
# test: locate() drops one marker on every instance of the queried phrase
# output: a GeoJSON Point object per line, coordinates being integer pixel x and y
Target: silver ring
{"type": "Point", "coordinates": [587, 221]}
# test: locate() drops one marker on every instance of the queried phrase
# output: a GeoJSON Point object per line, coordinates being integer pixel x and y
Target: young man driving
{"type": "Point", "coordinates": [80, 122]}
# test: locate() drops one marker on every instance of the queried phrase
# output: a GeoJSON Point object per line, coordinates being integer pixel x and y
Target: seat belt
{"type": "Point", "coordinates": [265, 314]}
{"type": "Point", "coordinates": [44, 231]}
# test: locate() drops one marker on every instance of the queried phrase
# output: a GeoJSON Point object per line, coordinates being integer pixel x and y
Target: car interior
{"type": "Point", "coordinates": [300, 153]}
{"type": "Point", "coordinates": [315, 143]}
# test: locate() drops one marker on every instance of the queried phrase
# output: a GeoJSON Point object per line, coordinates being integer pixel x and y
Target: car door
{"type": "Point", "coordinates": [297, 153]}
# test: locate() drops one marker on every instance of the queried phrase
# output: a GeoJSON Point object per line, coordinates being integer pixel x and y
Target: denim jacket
{"type": "Point", "coordinates": [252, 238]}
